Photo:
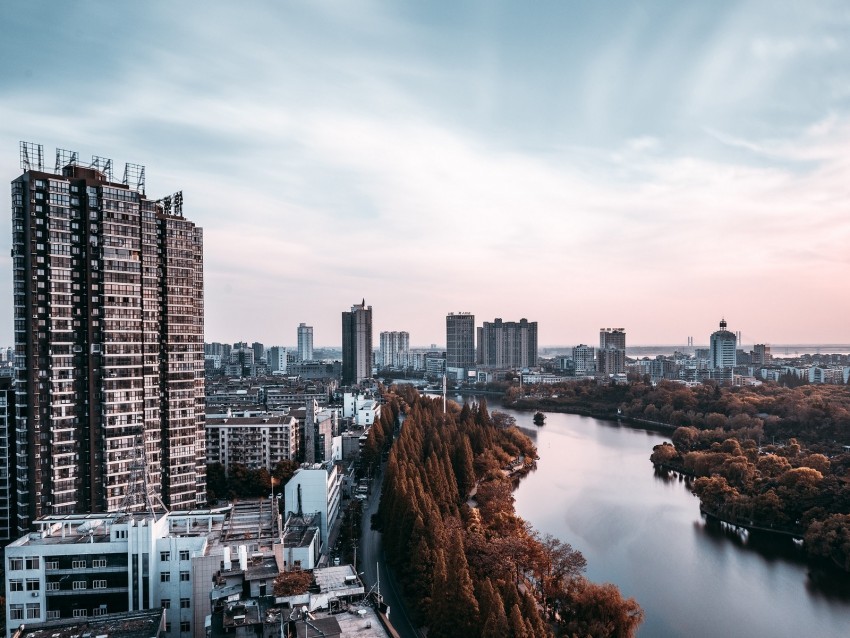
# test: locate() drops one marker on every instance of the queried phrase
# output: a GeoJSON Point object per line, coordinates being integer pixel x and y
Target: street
{"type": "Point", "coordinates": [370, 556]}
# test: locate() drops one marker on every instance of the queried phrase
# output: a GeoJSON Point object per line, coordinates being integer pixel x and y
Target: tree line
{"type": "Point", "coordinates": [467, 564]}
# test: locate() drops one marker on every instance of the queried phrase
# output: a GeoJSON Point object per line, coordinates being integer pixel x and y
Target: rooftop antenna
{"type": "Point", "coordinates": [134, 177]}
{"type": "Point", "coordinates": [103, 164]}
{"type": "Point", "coordinates": [32, 156]}
{"type": "Point", "coordinates": [65, 158]}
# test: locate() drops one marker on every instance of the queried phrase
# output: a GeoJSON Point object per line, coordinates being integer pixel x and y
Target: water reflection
{"type": "Point", "coordinates": [640, 528]}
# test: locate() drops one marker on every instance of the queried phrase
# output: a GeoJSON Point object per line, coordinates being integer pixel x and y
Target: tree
{"type": "Point", "coordinates": [216, 482]}
{"type": "Point", "coordinates": [600, 611]}
{"type": "Point", "coordinates": [292, 583]}
{"type": "Point", "coordinates": [830, 538]}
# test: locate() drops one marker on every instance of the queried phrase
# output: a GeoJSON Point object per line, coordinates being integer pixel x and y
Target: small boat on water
{"type": "Point", "coordinates": [539, 418]}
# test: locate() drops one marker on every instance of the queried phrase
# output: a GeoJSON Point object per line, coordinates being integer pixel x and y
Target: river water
{"type": "Point", "coordinates": [595, 488]}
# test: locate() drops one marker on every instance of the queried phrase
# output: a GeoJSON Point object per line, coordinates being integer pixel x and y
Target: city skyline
{"type": "Point", "coordinates": [650, 165]}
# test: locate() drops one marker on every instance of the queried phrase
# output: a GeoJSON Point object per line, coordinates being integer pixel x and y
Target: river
{"type": "Point", "coordinates": [595, 488]}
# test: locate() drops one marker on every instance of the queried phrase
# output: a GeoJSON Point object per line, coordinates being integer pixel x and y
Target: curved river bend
{"type": "Point", "coordinates": [596, 489]}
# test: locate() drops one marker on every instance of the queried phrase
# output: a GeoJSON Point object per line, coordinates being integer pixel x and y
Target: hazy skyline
{"type": "Point", "coordinates": [647, 165]}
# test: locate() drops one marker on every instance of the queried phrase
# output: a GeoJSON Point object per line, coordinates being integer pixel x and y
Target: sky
{"type": "Point", "coordinates": [648, 165]}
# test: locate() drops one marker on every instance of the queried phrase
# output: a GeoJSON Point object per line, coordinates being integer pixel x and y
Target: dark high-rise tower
{"type": "Point", "coordinates": [357, 344]}
{"type": "Point", "coordinates": [109, 324]}
{"type": "Point", "coordinates": [460, 340]}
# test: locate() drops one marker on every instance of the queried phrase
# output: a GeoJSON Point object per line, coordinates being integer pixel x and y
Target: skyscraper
{"type": "Point", "coordinates": [395, 349]}
{"type": "Point", "coordinates": [460, 340]}
{"type": "Point", "coordinates": [109, 324]}
{"type": "Point", "coordinates": [611, 357]}
{"type": "Point", "coordinates": [722, 348]}
{"type": "Point", "coordinates": [305, 342]}
{"type": "Point", "coordinates": [357, 344]}
{"type": "Point", "coordinates": [508, 344]}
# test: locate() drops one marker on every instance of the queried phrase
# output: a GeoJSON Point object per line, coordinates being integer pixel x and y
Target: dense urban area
{"type": "Point", "coordinates": [152, 484]}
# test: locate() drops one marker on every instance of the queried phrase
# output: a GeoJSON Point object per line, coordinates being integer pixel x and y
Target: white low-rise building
{"type": "Point", "coordinates": [84, 566]}
{"type": "Point", "coordinates": [316, 488]}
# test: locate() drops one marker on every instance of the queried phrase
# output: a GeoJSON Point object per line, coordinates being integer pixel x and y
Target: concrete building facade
{"type": "Point", "coordinates": [305, 342]}
{"type": "Point", "coordinates": [109, 359]}
{"type": "Point", "coordinates": [357, 344]}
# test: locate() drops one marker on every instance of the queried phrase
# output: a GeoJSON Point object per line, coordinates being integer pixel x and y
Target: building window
{"type": "Point", "coordinates": [52, 586]}
{"type": "Point", "coordinates": [185, 625]}
{"type": "Point", "coordinates": [184, 577]}
{"type": "Point", "coordinates": [78, 564]}
{"type": "Point", "coordinates": [33, 611]}
{"type": "Point", "coordinates": [99, 562]}
{"type": "Point", "coordinates": [185, 603]}
{"type": "Point", "coordinates": [16, 585]}
{"type": "Point", "coordinates": [33, 584]}
{"type": "Point", "coordinates": [165, 577]}
{"type": "Point", "coordinates": [81, 613]}
{"type": "Point", "coordinates": [16, 563]}
{"type": "Point", "coordinates": [51, 564]}
{"type": "Point", "coordinates": [99, 611]}
{"type": "Point", "coordinates": [184, 554]}
{"type": "Point", "coordinates": [165, 603]}
{"type": "Point", "coordinates": [52, 614]}
{"type": "Point", "coordinates": [99, 584]}
{"type": "Point", "coordinates": [80, 584]}
{"type": "Point", "coordinates": [16, 612]}
{"type": "Point", "coordinates": [165, 556]}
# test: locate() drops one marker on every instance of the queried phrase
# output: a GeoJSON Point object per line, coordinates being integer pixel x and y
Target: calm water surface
{"type": "Point", "coordinates": [596, 489]}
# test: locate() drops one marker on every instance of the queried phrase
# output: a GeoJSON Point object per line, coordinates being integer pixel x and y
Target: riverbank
{"type": "Point", "coordinates": [594, 489]}
{"type": "Point", "coordinates": [607, 414]}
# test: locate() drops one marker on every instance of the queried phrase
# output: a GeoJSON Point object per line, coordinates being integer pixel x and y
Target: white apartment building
{"type": "Point", "coordinates": [315, 488]}
{"type": "Point", "coordinates": [256, 442]}
{"type": "Point", "coordinates": [362, 409]}
{"type": "Point", "coordinates": [90, 565]}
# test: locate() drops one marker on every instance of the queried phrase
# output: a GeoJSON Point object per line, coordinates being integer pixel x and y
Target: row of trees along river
{"type": "Point", "coordinates": [769, 456]}
{"type": "Point", "coordinates": [770, 459]}
{"type": "Point", "coordinates": [468, 565]}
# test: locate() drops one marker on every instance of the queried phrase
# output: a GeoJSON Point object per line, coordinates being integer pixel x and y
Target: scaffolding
{"type": "Point", "coordinates": [141, 495]}
{"type": "Point", "coordinates": [32, 157]}
{"type": "Point", "coordinates": [103, 164]}
{"type": "Point", "coordinates": [65, 158]}
{"type": "Point", "coordinates": [134, 177]}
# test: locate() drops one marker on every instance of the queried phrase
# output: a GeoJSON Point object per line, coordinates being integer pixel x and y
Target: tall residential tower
{"type": "Point", "coordinates": [109, 325]}
{"type": "Point", "coordinates": [357, 344]}
{"type": "Point", "coordinates": [460, 341]}
{"type": "Point", "coordinates": [305, 342]}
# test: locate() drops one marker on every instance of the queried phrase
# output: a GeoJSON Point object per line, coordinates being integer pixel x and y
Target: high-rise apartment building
{"type": "Point", "coordinates": [611, 357]}
{"type": "Point", "coordinates": [305, 342]}
{"type": "Point", "coordinates": [584, 360]}
{"type": "Point", "coordinates": [460, 340]}
{"type": "Point", "coordinates": [612, 338]}
{"type": "Point", "coordinates": [395, 349]}
{"type": "Point", "coordinates": [8, 497]}
{"type": "Point", "coordinates": [109, 325]}
{"type": "Point", "coordinates": [508, 344]}
{"type": "Point", "coordinates": [357, 344]}
{"type": "Point", "coordinates": [259, 351]}
{"type": "Point", "coordinates": [760, 355]}
{"type": "Point", "coordinates": [276, 359]}
{"type": "Point", "coordinates": [722, 348]}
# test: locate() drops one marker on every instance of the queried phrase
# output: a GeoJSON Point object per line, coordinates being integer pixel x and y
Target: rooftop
{"type": "Point", "coordinates": [133, 624]}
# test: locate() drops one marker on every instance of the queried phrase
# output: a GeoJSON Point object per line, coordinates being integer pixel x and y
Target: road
{"type": "Point", "coordinates": [370, 557]}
